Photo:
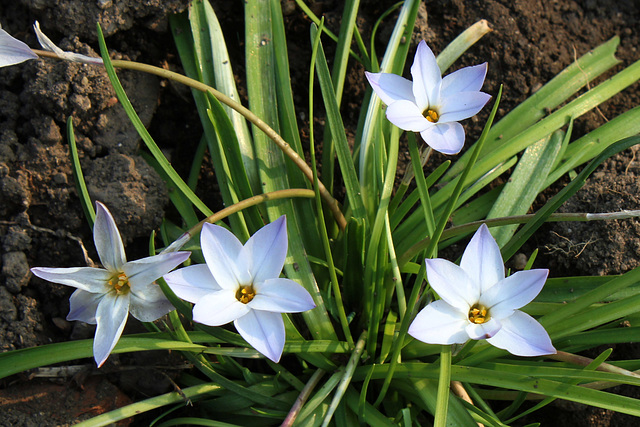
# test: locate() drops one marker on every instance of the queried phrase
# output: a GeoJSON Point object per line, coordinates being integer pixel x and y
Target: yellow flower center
{"type": "Point", "coordinates": [478, 314]}
{"type": "Point", "coordinates": [431, 115]}
{"type": "Point", "coordinates": [120, 283]}
{"type": "Point", "coordinates": [245, 294]}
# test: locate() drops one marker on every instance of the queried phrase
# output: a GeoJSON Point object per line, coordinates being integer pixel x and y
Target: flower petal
{"type": "Point", "coordinates": [147, 270]}
{"type": "Point", "coordinates": [45, 41]}
{"type": "Point", "coordinates": [439, 323]}
{"type": "Point", "coordinates": [83, 306]}
{"type": "Point", "coordinates": [13, 51]}
{"type": "Point", "coordinates": [390, 87]}
{"type": "Point", "coordinates": [522, 335]}
{"type": "Point", "coordinates": [452, 284]}
{"type": "Point", "coordinates": [462, 106]}
{"type": "Point", "coordinates": [514, 292]}
{"type": "Point", "coordinates": [192, 283]}
{"type": "Point", "coordinates": [281, 296]}
{"type": "Point", "coordinates": [148, 303]}
{"type": "Point", "coordinates": [264, 331]}
{"type": "Point", "coordinates": [266, 251]}
{"type": "Point", "coordinates": [86, 278]}
{"type": "Point", "coordinates": [427, 77]}
{"type": "Point", "coordinates": [111, 317]}
{"type": "Point", "coordinates": [467, 79]}
{"type": "Point", "coordinates": [47, 44]}
{"type": "Point", "coordinates": [484, 330]}
{"type": "Point", "coordinates": [221, 249]}
{"type": "Point", "coordinates": [482, 260]}
{"type": "Point", "coordinates": [447, 138]}
{"type": "Point", "coordinates": [219, 308]}
{"type": "Point", "coordinates": [107, 240]}
{"type": "Point", "coordinates": [407, 116]}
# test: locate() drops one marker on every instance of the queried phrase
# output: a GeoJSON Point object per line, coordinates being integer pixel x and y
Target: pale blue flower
{"type": "Point", "coordinates": [242, 284]}
{"type": "Point", "coordinates": [432, 105]}
{"type": "Point", "coordinates": [13, 51]}
{"type": "Point", "coordinates": [478, 302]}
{"type": "Point", "coordinates": [105, 296]}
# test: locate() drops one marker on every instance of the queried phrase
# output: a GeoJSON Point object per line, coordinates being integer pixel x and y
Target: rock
{"type": "Point", "coordinates": [15, 269]}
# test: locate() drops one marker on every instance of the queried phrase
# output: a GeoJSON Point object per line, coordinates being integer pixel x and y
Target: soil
{"type": "Point", "coordinates": [41, 221]}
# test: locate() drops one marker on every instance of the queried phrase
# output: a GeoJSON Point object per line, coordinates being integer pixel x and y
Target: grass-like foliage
{"type": "Point", "coordinates": [363, 353]}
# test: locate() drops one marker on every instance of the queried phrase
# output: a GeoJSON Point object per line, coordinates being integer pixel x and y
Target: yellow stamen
{"type": "Point", "coordinates": [245, 294]}
{"type": "Point", "coordinates": [120, 283]}
{"type": "Point", "coordinates": [431, 115]}
{"type": "Point", "coordinates": [478, 314]}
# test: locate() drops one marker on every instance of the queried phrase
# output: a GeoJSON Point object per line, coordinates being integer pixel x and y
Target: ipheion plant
{"type": "Point", "coordinates": [432, 105]}
{"type": "Point", "coordinates": [241, 283]}
{"type": "Point", "coordinates": [478, 302]}
{"type": "Point", "coordinates": [105, 296]}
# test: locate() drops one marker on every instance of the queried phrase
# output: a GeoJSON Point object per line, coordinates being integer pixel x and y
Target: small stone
{"type": "Point", "coordinates": [62, 324]}
{"type": "Point", "coordinates": [49, 132]}
{"type": "Point", "coordinates": [520, 261]}
{"type": "Point", "coordinates": [80, 102]}
{"type": "Point", "coordinates": [60, 179]}
{"type": "Point", "coordinates": [15, 269]}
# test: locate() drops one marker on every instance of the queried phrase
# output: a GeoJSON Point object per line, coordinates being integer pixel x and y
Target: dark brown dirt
{"type": "Point", "coordinates": [41, 222]}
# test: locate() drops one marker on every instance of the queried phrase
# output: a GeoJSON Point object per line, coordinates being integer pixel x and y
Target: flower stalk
{"type": "Point", "coordinates": [516, 219]}
{"type": "Point", "coordinates": [346, 378]}
{"type": "Point", "coordinates": [442, 401]}
{"type": "Point", "coordinates": [237, 207]}
{"type": "Point", "coordinates": [302, 398]}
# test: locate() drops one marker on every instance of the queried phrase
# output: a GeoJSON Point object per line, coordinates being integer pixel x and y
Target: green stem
{"type": "Point", "coordinates": [395, 269]}
{"type": "Point", "coordinates": [442, 401]}
{"type": "Point", "coordinates": [302, 398]}
{"type": "Point", "coordinates": [585, 361]}
{"type": "Point", "coordinates": [335, 286]}
{"type": "Point", "coordinates": [516, 219]}
{"type": "Point", "coordinates": [421, 183]}
{"type": "Point", "coordinates": [316, 20]}
{"type": "Point", "coordinates": [436, 236]}
{"type": "Point", "coordinates": [346, 378]}
{"type": "Point", "coordinates": [398, 342]}
{"type": "Point", "coordinates": [237, 207]}
{"type": "Point", "coordinates": [166, 399]}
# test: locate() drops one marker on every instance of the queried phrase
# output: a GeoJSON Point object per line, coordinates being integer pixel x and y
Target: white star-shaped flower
{"type": "Point", "coordinates": [478, 302]}
{"type": "Point", "coordinates": [242, 284]}
{"type": "Point", "coordinates": [432, 105]}
{"type": "Point", "coordinates": [105, 296]}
